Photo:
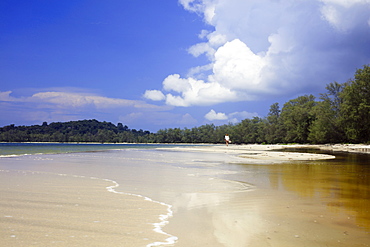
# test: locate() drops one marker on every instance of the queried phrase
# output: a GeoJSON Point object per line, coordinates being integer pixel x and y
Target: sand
{"type": "Point", "coordinates": [43, 209]}
{"type": "Point", "coordinates": [208, 195]}
{"type": "Point", "coordinates": [260, 153]}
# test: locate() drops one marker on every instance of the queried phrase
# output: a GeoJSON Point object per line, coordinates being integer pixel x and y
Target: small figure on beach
{"type": "Point", "coordinates": [227, 139]}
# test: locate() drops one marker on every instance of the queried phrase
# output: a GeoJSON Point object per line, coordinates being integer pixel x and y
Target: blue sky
{"type": "Point", "coordinates": [162, 64]}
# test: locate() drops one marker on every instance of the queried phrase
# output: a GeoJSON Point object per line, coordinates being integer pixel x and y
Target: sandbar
{"type": "Point", "coordinates": [255, 153]}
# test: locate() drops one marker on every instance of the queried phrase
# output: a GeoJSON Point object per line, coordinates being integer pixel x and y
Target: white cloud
{"type": "Point", "coordinates": [236, 66]}
{"type": "Point", "coordinates": [177, 84]}
{"type": "Point", "coordinates": [215, 40]}
{"type": "Point", "coordinates": [345, 14]}
{"type": "Point", "coordinates": [262, 48]}
{"type": "Point", "coordinates": [69, 103]}
{"type": "Point", "coordinates": [195, 92]}
{"type": "Point", "coordinates": [75, 100]}
{"type": "Point", "coordinates": [212, 115]}
{"type": "Point", "coordinates": [5, 96]}
{"type": "Point", "coordinates": [78, 100]}
{"type": "Point", "coordinates": [201, 48]}
{"type": "Point", "coordinates": [204, 7]}
{"type": "Point", "coordinates": [234, 117]}
{"type": "Point", "coordinates": [155, 95]}
{"type": "Point", "coordinates": [243, 115]}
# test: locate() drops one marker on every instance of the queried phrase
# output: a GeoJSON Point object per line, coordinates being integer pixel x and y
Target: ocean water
{"type": "Point", "coordinates": [15, 149]}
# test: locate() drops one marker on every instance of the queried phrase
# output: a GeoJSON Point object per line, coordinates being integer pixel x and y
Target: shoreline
{"type": "Point", "coordinates": [43, 209]}
{"type": "Point", "coordinates": [270, 153]}
{"type": "Point", "coordinates": [255, 153]}
{"type": "Point", "coordinates": [226, 194]}
{"type": "Point", "coordinates": [354, 148]}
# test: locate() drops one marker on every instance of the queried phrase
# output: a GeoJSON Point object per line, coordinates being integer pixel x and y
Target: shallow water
{"type": "Point", "coordinates": [12, 149]}
{"type": "Point", "coordinates": [342, 185]}
{"type": "Point", "coordinates": [218, 203]}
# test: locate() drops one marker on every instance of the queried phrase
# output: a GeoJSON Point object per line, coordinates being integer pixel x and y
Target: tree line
{"type": "Point", "coordinates": [73, 131]}
{"type": "Point", "coordinates": [340, 115]}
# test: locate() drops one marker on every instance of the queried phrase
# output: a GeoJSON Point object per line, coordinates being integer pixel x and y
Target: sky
{"type": "Point", "coordinates": [165, 64]}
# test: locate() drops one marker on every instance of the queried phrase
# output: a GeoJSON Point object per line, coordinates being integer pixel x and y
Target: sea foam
{"type": "Point", "coordinates": [163, 217]}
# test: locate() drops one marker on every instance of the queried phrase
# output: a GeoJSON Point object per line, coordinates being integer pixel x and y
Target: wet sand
{"type": "Point", "coordinates": [44, 209]}
{"type": "Point", "coordinates": [260, 153]}
{"type": "Point", "coordinates": [67, 200]}
{"type": "Point", "coordinates": [264, 216]}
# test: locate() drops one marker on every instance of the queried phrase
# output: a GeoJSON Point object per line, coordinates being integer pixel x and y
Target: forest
{"type": "Point", "coordinates": [339, 115]}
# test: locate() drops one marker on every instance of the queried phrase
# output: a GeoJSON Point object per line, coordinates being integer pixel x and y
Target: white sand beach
{"type": "Point", "coordinates": [259, 153]}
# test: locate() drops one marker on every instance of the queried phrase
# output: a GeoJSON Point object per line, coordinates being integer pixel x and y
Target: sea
{"type": "Point", "coordinates": [16, 149]}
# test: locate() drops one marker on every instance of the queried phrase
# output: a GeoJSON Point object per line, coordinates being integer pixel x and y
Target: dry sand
{"type": "Point", "coordinates": [268, 153]}
{"type": "Point", "coordinates": [260, 153]}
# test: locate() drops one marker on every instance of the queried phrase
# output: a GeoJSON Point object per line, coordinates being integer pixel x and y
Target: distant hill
{"type": "Point", "coordinates": [73, 131]}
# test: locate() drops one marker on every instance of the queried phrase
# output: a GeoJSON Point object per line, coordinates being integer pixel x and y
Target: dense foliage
{"type": "Point", "coordinates": [341, 115]}
{"type": "Point", "coordinates": [74, 131]}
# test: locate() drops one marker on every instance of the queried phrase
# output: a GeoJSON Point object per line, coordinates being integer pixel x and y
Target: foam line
{"type": "Point", "coordinates": [163, 217]}
{"type": "Point", "coordinates": [157, 226]}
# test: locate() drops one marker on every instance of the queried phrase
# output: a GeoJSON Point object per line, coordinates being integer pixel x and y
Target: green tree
{"type": "Point", "coordinates": [296, 117]}
{"type": "Point", "coordinates": [326, 127]}
{"type": "Point", "coordinates": [355, 109]}
{"type": "Point", "coordinates": [273, 128]}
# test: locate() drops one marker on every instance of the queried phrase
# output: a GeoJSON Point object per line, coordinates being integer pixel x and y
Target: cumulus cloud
{"type": "Point", "coordinates": [194, 92]}
{"type": "Point", "coordinates": [236, 66]}
{"type": "Point", "coordinates": [262, 48]}
{"type": "Point", "coordinates": [212, 115]}
{"type": "Point", "coordinates": [234, 117]}
{"type": "Point", "coordinates": [155, 95]}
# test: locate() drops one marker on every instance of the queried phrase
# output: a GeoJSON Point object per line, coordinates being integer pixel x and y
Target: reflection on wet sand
{"type": "Point", "coordinates": [215, 219]}
{"type": "Point", "coordinates": [305, 203]}
{"type": "Point", "coordinates": [339, 185]}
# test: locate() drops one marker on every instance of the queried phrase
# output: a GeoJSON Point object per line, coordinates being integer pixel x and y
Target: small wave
{"type": "Point", "coordinates": [163, 217]}
{"type": "Point", "coordinates": [11, 155]}
{"type": "Point", "coordinates": [157, 226]}
{"type": "Point", "coordinates": [20, 155]}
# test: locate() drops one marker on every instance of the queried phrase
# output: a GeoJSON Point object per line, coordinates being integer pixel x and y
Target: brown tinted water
{"type": "Point", "coordinates": [342, 183]}
{"type": "Point", "coordinates": [330, 193]}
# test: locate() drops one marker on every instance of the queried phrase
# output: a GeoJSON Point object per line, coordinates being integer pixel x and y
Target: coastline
{"type": "Point", "coordinates": [273, 153]}
{"type": "Point", "coordinates": [255, 153]}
